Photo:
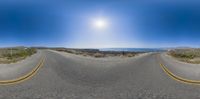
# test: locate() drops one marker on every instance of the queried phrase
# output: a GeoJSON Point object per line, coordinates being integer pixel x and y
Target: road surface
{"type": "Point", "coordinates": [68, 76]}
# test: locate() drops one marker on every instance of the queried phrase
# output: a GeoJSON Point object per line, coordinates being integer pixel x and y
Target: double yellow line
{"type": "Point", "coordinates": [177, 78]}
{"type": "Point", "coordinates": [40, 64]}
{"type": "Point", "coordinates": [25, 77]}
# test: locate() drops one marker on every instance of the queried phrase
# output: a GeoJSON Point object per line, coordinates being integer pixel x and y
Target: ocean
{"type": "Point", "coordinates": [134, 49]}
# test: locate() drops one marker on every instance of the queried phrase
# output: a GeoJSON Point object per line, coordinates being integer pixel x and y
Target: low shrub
{"type": "Point", "coordinates": [17, 53]}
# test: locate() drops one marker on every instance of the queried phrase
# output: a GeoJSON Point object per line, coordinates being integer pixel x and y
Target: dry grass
{"type": "Point", "coordinates": [98, 54]}
{"type": "Point", "coordinates": [8, 55]}
{"type": "Point", "coordinates": [186, 55]}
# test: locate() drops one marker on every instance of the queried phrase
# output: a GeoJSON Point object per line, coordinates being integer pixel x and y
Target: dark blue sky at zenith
{"type": "Point", "coordinates": [130, 23]}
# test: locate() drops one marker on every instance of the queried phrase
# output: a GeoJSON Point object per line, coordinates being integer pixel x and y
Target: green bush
{"type": "Point", "coordinates": [19, 53]}
{"type": "Point", "coordinates": [183, 54]}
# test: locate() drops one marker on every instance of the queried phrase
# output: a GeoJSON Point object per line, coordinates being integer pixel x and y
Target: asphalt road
{"type": "Point", "coordinates": [67, 76]}
{"type": "Point", "coordinates": [16, 70]}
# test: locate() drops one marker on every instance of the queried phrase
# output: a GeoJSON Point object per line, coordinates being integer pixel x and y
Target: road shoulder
{"type": "Point", "coordinates": [181, 69]}
{"type": "Point", "coordinates": [16, 70]}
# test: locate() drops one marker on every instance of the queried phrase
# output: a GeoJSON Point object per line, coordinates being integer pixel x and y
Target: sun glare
{"type": "Point", "coordinates": [100, 23]}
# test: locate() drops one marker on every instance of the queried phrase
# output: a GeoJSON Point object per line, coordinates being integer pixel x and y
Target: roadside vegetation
{"type": "Point", "coordinates": [98, 54]}
{"type": "Point", "coordinates": [11, 55]}
{"type": "Point", "coordinates": [190, 55]}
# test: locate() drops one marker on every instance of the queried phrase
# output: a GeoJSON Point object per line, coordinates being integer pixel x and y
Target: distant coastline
{"type": "Point", "coordinates": [134, 49]}
{"type": "Point", "coordinates": [109, 52]}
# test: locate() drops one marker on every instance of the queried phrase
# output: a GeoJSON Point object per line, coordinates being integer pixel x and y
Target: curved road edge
{"type": "Point", "coordinates": [174, 71]}
{"type": "Point", "coordinates": [25, 77]}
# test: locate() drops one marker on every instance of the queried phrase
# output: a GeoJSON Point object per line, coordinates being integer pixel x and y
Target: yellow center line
{"type": "Point", "coordinates": [25, 77]}
{"type": "Point", "coordinates": [178, 78]}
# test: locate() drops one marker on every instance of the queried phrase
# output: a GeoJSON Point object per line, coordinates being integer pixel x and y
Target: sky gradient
{"type": "Point", "coordinates": [129, 23]}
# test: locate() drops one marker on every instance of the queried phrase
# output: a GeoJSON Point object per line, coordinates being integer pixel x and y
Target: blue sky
{"type": "Point", "coordinates": [129, 23]}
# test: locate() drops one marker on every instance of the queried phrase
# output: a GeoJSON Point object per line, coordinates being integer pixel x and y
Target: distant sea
{"type": "Point", "coordinates": [134, 49]}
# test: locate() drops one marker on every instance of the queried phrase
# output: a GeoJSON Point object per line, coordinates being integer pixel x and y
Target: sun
{"type": "Point", "coordinates": [100, 23]}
